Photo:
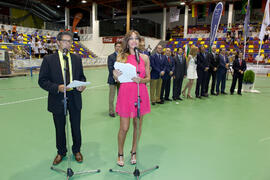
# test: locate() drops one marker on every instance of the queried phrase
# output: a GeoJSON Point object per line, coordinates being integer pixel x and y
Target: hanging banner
{"type": "Point", "coordinates": [266, 21]}
{"type": "Point", "coordinates": [215, 22]}
{"type": "Point", "coordinates": [174, 14]}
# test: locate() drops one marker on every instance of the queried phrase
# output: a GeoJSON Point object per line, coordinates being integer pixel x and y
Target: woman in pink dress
{"type": "Point", "coordinates": [127, 95]}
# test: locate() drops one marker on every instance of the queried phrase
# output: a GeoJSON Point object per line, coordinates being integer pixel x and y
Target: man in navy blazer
{"type": "Point", "coordinates": [51, 79]}
{"type": "Point", "coordinates": [202, 72]}
{"type": "Point", "coordinates": [111, 81]}
{"type": "Point", "coordinates": [239, 67]}
{"type": "Point", "coordinates": [166, 79]}
{"type": "Point", "coordinates": [157, 61]}
{"type": "Point", "coordinates": [222, 71]}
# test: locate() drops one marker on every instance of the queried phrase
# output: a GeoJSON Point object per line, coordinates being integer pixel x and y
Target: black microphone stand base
{"type": "Point", "coordinates": [69, 172]}
{"type": "Point", "coordinates": [137, 173]}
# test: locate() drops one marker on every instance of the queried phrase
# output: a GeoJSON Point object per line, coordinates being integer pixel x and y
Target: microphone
{"type": "Point", "coordinates": [137, 54]}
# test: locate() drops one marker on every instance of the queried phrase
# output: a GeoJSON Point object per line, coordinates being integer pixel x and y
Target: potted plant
{"type": "Point", "coordinates": [248, 80]}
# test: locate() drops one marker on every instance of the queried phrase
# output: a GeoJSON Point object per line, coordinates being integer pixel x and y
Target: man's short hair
{"type": "Point", "coordinates": [117, 43]}
{"type": "Point", "coordinates": [61, 34]}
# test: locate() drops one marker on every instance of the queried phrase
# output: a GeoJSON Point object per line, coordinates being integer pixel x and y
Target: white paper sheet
{"type": "Point", "coordinates": [128, 72]}
{"type": "Point", "coordinates": [76, 83]}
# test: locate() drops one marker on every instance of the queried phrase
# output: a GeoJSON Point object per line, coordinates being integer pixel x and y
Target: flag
{"type": "Point", "coordinates": [263, 5]}
{"type": "Point", "coordinates": [194, 10]}
{"type": "Point", "coordinates": [174, 14]}
{"type": "Point", "coordinates": [265, 22]}
{"type": "Point", "coordinates": [187, 49]}
{"type": "Point", "coordinates": [215, 22]}
{"type": "Point", "coordinates": [247, 18]}
{"type": "Point", "coordinates": [244, 6]}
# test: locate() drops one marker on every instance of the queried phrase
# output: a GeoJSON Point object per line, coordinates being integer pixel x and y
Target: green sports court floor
{"type": "Point", "coordinates": [216, 138]}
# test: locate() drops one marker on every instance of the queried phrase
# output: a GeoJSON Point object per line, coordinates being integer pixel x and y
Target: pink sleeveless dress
{"type": "Point", "coordinates": [127, 94]}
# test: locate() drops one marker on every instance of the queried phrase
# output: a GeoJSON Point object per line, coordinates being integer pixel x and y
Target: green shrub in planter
{"type": "Point", "coordinates": [249, 77]}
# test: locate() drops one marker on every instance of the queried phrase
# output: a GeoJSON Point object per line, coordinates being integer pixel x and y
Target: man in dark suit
{"type": "Point", "coordinates": [111, 81]}
{"type": "Point", "coordinates": [157, 61]}
{"type": "Point", "coordinates": [202, 72]}
{"type": "Point", "coordinates": [222, 71]}
{"type": "Point", "coordinates": [213, 66]}
{"type": "Point", "coordinates": [51, 79]}
{"type": "Point", "coordinates": [166, 79]}
{"type": "Point", "coordinates": [180, 71]}
{"type": "Point", "coordinates": [239, 67]}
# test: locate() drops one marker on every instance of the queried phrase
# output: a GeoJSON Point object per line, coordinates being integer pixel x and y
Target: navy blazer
{"type": "Point", "coordinates": [50, 77]}
{"type": "Point", "coordinates": [202, 61]}
{"type": "Point", "coordinates": [169, 66]}
{"type": "Point", "coordinates": [236, 66]}
{"type": "Point", "coordinates": [110, 62]}
{"type": "Point", "coordinates": [157, 65]}
{"type": "Point", "coordinates": [222, 64]}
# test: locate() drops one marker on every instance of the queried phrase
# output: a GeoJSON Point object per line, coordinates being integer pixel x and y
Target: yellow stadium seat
{"type": "Point", "coordinates": [184, 46]}
{"type": "Point", "coordinates": [175, 49]}
{"type": "Point", "coordinates": [217, 50]}
{"type": "Point", "coordinates": [206, 46]}
{"type": "Point", "coordinates": [190, 42]}
{"type": "Point", "coordinates": [171, 39]}
{"type": "Point", "coordinates": [262, 50]}
{"type": "Point", "coordinates": [199, 39]}
{"type": "Point", "coordinates": [176, 42]}
{"type": "Point", "coordinates": [215, 42]}
{"type": "Point", "coordinates": [250, 51]}
{"type": "Point", "coordinates": [24, 42]}
{"type": "Point", "coordinates": [250, 46]}
{"type": "Point", "coordinates": [222, 46]}
{"type": "Point", "coordinates": [231, 50]}
{"type": "Point", "coordinates": [4, 47]}
{"type": "Point", "coordinates": [164, 49]}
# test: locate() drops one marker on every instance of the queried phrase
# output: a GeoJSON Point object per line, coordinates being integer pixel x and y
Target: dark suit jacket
{"type": "Point", "coordinates": [169, 66]}
{"type": "Point", "coordinates": [222, 64]}
{"type": "Point", "coordinates": [157, 65]}
{"type": "Point", "coordinates": [213, 61]}
{"type": "Point", "coordinates": [50, 76]}
{"type": "Point", "coordinates": [180, 69]}
{"type": "Point", "coordinates": [236, 66]}
{"type": "Point", "coordinates": [110, 63]}
{"type": "Point", "coordinates": [202, 61]}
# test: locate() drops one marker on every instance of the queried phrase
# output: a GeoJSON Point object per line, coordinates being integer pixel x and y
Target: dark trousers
{"type": "Point", "coordinates": [75, 122]}
{"type": "Point", "coordinates": [212, 74]}
{"type": "Point", "coordinates": [240, 80]}
{"type": "Point", "coordinates": [221, 78]}
{"type": "Point", "coordinates": [201, 82]}
{"type": "Point", "coordinates": [166, 86]}
{"type": "Point", "coordinates": [177, 87]}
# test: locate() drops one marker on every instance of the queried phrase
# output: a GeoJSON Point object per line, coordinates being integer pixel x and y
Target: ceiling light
{"type": "Point", "coordinates": [84, 1]}
{"type": "Point", "coordinates": [58, 6]}
{"type": "Point", "coordinates": [182, 3]}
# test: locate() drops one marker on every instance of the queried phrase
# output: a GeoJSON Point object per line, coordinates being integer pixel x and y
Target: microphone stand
{"type": "Point", "coordinates": [137, 173]}
{"type": "Point", "coordinates": [69, 172]}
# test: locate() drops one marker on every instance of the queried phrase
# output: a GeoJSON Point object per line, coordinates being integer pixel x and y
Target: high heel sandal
{"type": "Point", "coordinates": [189, 96]}
{"type": "Point", "coordinates": [120, 161]}
{"type": "Point", "coordinates": [133, 158]}
{"type": "Point", "coordinates": [184, 94]}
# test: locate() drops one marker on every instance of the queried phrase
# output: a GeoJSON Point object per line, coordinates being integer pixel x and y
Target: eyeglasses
{"type": "Point", "coordinates": [66, 41]}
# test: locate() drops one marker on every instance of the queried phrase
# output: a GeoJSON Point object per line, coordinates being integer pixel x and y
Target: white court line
{"type": "Point", "coordinates": [43, 97]}
{"type": "Point", "coordinates": [264, 139]}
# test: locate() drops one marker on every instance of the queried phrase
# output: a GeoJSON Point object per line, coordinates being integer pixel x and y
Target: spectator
{"type": "Point", "coordinates": [20, 38]}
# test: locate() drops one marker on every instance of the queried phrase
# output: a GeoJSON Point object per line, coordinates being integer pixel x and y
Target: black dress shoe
{"type": "Point", "coordinates": [112, 114]}
{"type": "Point", "coordinates": [167, 99]}
{"type": "Point", "coordinates": [179, 99]}
{"type": "Point", "coordinates": [224, 93]}
{"type": "Point", "coordinates": [153, 103]}
{"type": "Point", "coordinates": [205, 95]}
{"type": "Point", "coordinates": [239, 94]}
{"type": "Point", "coordinates": [231, 93]}
{"type": "Point", "coordinates": [174, 99]}
{"type": "Point", "coordinates": [214, 94]}
{"type": "Point", "coordinates": [217, 93]}
{"type": "Point", "coordinates": [198, 97]}
{"type": "Point", "coordinates": [160, 102]}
